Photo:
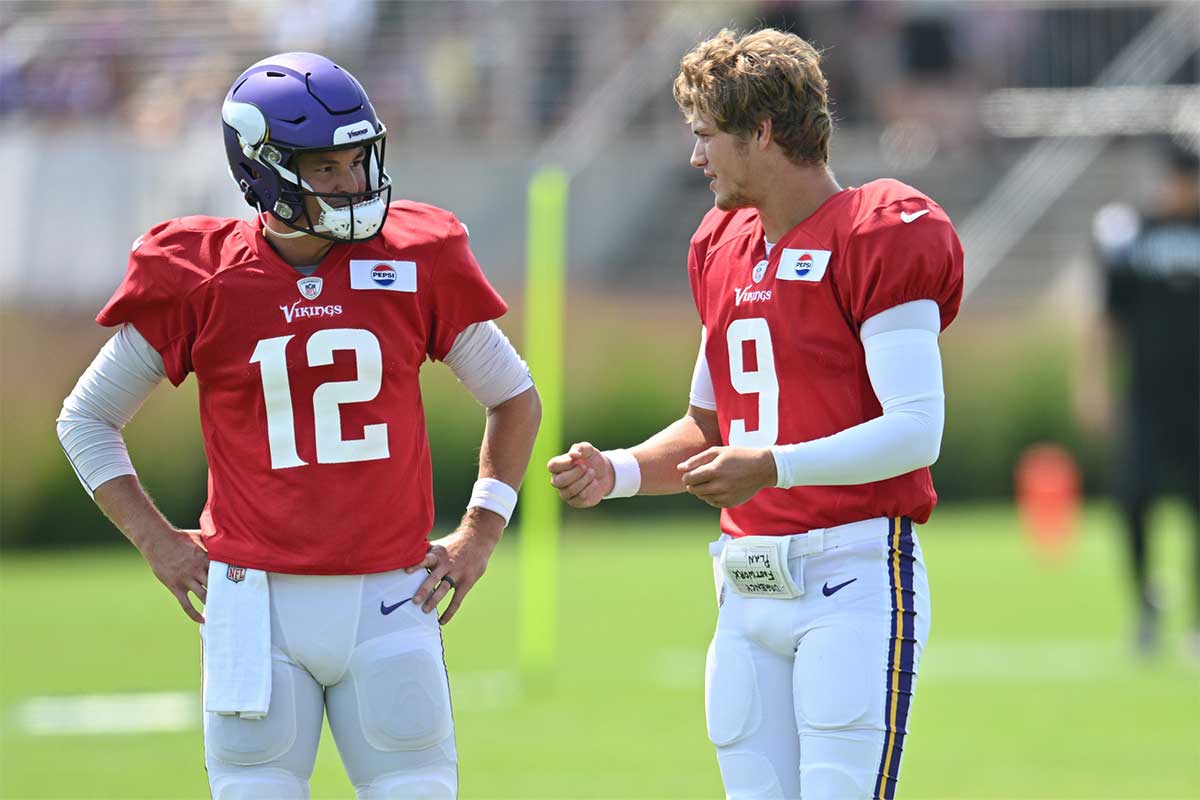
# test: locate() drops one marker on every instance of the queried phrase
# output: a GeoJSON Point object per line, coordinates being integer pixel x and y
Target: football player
{"type": "Point", "coordinates": [816, 409]}
{"type": "Point", "coordinates": [1151, 274]}
{"type": "Point", "coordinates": [306, 327]}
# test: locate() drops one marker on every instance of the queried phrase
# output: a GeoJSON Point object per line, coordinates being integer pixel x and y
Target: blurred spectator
{"type": "Point", "coordinates": [1151, 266]}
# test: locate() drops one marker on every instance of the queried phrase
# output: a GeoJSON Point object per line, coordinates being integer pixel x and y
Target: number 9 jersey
{"type": "Point", "coordinates": [310, 403]}
{"type": "Point", "coordinates": [783, 345]}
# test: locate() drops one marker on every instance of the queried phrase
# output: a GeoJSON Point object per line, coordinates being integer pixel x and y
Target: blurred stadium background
{"type": "Point", "coordinates": [1022, 119]}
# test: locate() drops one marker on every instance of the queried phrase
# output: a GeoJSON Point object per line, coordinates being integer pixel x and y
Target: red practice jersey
{"type": "Point", "coordinates": [783, 343]}
{"type": "Point", "coordinates": [309, 399]}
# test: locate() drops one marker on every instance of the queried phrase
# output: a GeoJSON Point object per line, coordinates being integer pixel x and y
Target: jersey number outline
{"type": "Point", "coordinates": [762, 381]}
{"type": "Point", "coordinates": [270, 355]}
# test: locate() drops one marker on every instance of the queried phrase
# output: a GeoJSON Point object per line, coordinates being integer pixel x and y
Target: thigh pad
{"type": "Point", "coordinates": [732, 705]}
{"type": "Point", "coordinates": [402, 691]}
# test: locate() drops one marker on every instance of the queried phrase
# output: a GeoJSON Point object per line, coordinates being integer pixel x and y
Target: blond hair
{"type": "Point", "coordinates": [737, 82]}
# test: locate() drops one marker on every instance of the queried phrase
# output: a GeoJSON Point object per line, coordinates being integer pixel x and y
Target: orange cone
{"type": "Point", "coordinates": [1048, 485]}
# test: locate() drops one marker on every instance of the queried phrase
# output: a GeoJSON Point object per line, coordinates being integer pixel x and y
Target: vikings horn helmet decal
{"type": "Point", "coordinates": [293, 103]}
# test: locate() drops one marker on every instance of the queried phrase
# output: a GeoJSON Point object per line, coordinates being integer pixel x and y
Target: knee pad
{"type": "Point", "coordinates": [249, 742]}
{"type": "Point", "coordinates": [266, 783]}
{"type": "Point", "coordinates": [841, 764]}
{"type": "Point", "coordinates": [748, 776]}
{"type": "Point", "coordinates": [732, 706]}
{"type": "Point", "coordinates": [432, 785]}
{"type": "Point", "coordinates": [835, 782]}
{"type": "Point", "coordinates": [403, 695]}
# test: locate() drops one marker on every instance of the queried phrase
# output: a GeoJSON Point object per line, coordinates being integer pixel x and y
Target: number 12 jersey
{"type": "Point", "coordinates": [310, 403]}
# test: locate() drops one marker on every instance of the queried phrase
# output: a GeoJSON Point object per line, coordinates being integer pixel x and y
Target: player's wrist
{"type": "Point", "coordinates": [767, 467]}
{"type": "Point", "coordinates": [152, 538]}
{"type": "Point", "coordinates": [481, 524]}
{"type": "Point", "coordinates": [627, 473]}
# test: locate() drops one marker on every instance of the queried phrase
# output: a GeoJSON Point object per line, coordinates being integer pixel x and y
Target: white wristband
{"type": "Point", "coordinates": [627, 475]}
{"type": "Point", "coordinates": [496, 496]}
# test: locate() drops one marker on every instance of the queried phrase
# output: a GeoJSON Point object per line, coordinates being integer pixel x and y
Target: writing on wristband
{"type": "Point", "coordinates": [627, 474]}
{"type": "Point", "coordinates": [494, 495]}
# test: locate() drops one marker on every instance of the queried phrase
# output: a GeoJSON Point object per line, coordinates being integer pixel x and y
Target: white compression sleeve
{"type": "Point", "coordinates": [488, 365]}
{"type": "Point", "coordinates": [702, 393]}
{"type": "Point", "coordinates": [905, 369]}
{"type": "Point", "coordinates": [103, 401]}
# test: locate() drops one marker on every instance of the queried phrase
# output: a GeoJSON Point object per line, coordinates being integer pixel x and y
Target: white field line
{"type": "Point", "coordinates": [959, 662]}
{"type": "Point", "coordinates": [1048, 661]}
{"type": "Point", "coordinates": [91, 714]}
{"type": "Point", "coordinates": [168, 712]}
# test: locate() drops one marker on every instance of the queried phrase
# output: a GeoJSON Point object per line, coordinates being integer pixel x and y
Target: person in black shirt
{"type": "Point", "coordinates": [1152, 277]}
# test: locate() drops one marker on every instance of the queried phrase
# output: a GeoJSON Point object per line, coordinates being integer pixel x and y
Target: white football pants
{"type": "Point", "coordinates": [809, 697]}
{"type": "Point", "coordinates": [381, 678]}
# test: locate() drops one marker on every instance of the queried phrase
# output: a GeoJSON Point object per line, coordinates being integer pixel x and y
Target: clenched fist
{"type": "Point", "coordinates": [582, 475]}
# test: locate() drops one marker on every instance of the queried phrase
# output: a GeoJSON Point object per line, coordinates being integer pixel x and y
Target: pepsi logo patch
{"type": "Point", "coordinates": [803, 265]}
{"type": "Point", "coordinates": [387, 276]}
{"type": "Point", "coordinates": [383, 274]}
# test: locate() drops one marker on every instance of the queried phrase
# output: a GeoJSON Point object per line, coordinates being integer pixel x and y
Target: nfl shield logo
{"type": "Point", "coordinates": [310, 288]}
{"type": "Point", "coordinates": [237, 574]}
{"type": "Point", "coordinates": [760, 269]}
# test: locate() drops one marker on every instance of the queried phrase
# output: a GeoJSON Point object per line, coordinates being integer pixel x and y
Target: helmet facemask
{"type": "Point", "coordinates": [342, 216]}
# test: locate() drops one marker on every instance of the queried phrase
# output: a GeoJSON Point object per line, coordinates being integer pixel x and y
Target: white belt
{"type": "Point", "coordinates": [757, 566]}
{"type": "Point", "coordinates": [818, 540]}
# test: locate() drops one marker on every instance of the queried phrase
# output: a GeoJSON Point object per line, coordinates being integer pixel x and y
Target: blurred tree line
{"type": "Point", "coordinates": [629, 364]}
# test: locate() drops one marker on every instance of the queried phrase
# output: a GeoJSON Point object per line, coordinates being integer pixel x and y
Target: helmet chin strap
{"type": "Point", "coordinates": [269, 231]}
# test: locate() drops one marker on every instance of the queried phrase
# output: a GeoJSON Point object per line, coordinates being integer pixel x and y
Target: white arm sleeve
{"type": "Point", "coordinates": [106, 397]}
{"type": "Point", "coordinates": [905, 369]}
{"type": "Point", "coordinates": [702, 394]}
{"type": "Point", "coordinates": [488, 365]}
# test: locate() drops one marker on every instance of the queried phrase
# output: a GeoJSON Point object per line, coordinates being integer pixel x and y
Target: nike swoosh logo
{"type": "Point", "coordinates": [906, 218]}
{"type": "Point", "coordinates": [828, 590]}
{"type": "Point", "coordinates": [385, 609]}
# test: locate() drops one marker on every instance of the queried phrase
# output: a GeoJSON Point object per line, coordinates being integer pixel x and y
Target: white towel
{"type": "Point", "coordinates": [237, 641]}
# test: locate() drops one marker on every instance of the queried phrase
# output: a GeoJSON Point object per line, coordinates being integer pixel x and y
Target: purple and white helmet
{"type": "Point", "coordinates": [294, 103]}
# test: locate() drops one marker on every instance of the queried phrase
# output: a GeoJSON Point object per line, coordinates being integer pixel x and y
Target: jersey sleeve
{"type": "Point", "coordinates": [462, 294]}
{"type": "Point", "coordinates": [698, 254]}
{"type": "Point", "coordinates": [152, 297]}
{"type": "Point", "coordinates": [889, 262]}
{"type": "Point", "coordinates": [695, 277]}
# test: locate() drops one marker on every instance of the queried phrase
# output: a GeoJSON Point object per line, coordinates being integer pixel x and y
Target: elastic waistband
{"type": "Point", "coordinates": [819, 540]}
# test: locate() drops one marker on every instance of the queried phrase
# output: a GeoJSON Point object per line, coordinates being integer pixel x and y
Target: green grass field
{"type": "Point", "coordinates": [1029, 688]}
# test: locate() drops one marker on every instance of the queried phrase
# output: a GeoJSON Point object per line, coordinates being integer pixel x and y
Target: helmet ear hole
{"type": "Point", "coordinates": [248, 178]}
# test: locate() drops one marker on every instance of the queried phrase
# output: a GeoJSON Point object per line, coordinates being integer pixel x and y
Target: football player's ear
{"type": "Point", "coordinates": [763, 134]}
